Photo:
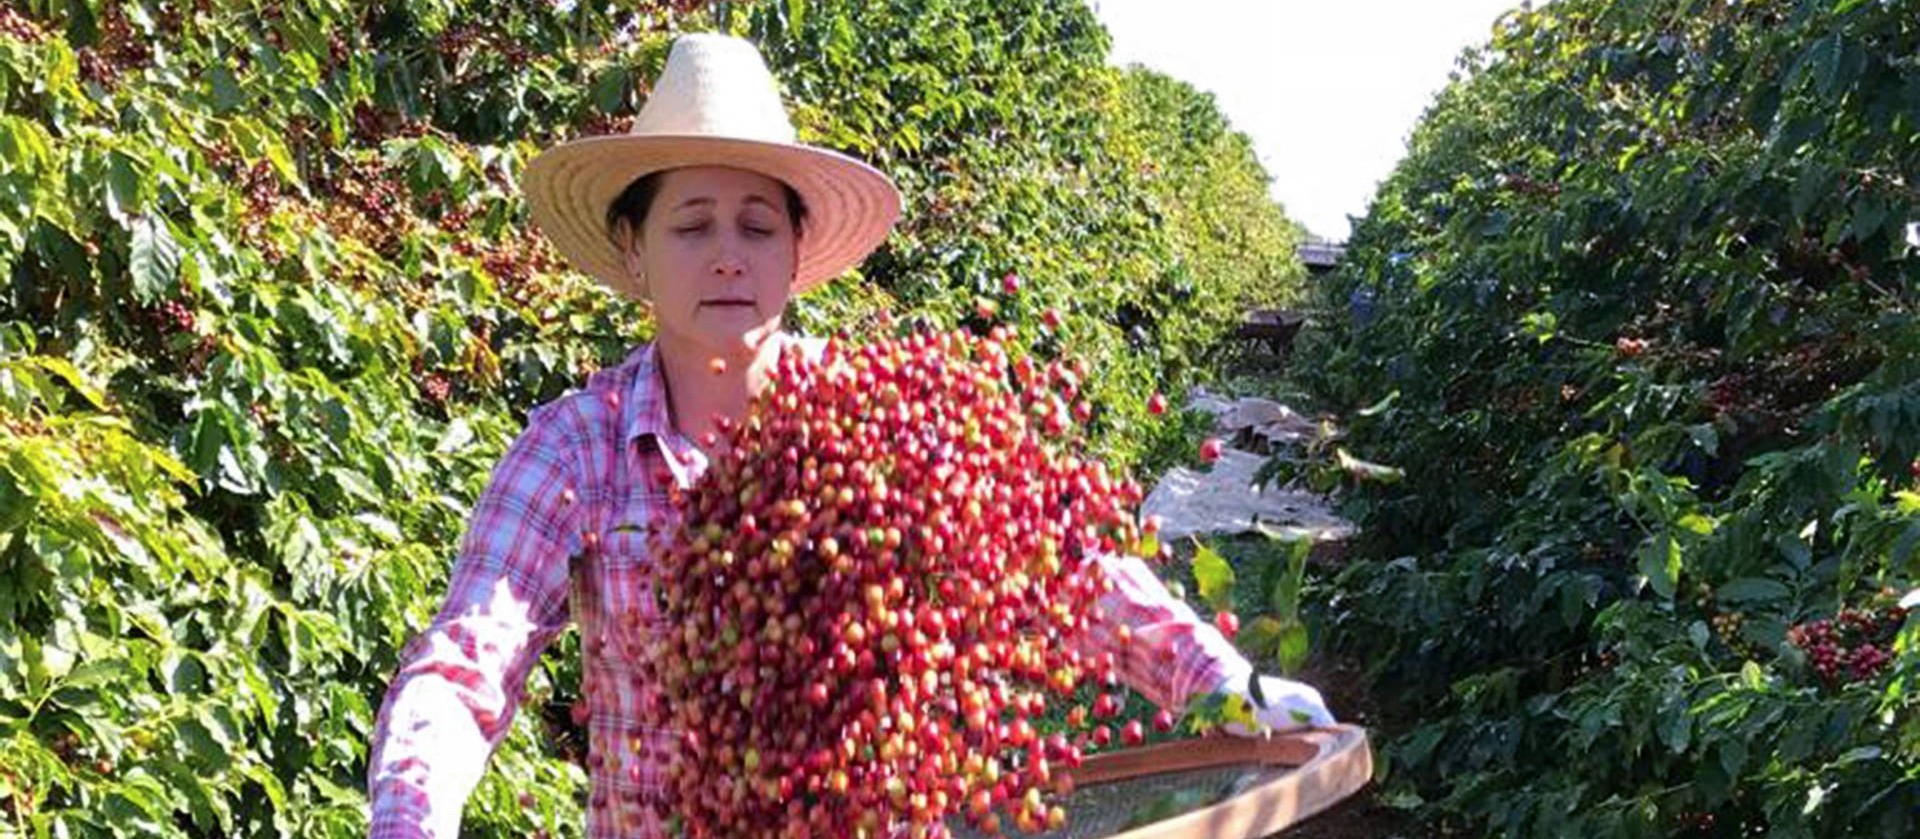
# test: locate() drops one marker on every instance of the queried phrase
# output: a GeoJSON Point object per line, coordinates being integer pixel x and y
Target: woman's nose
{"type": "Point", "coordinates": [728, 263]}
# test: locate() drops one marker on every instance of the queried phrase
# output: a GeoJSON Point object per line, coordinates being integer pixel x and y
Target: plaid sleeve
{"type": "Point", "coordinates": [1160, 647]}
{"type": "Point", "coordinates": [461, 679]}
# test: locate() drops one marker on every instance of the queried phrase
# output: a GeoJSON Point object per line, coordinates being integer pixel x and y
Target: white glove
{"type": "Point", "coordinates": [1289, 705]}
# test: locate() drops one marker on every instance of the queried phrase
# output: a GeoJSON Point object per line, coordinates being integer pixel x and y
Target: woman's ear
{"type": "Point", "coordinates": [629, 238]}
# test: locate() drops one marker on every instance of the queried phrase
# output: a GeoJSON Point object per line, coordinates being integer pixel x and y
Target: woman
{"type": "Point", "coordinates": [709, 210]}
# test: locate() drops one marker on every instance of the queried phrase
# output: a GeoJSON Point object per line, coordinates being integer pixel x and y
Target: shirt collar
{"type": "Point", "coordinates": [646, 412]}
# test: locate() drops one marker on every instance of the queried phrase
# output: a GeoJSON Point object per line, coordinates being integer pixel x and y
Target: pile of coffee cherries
{"type": "Point", "coordinates": [878, 588]}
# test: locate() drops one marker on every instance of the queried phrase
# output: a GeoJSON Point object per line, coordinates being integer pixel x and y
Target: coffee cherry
{"type": "Point", "coordinates": [1227, 622]}
{"type": "Point", "coordinates": [18, 27]}
{"type": "Point", "coordinates": [436, 389]}
{"type": "Point", "coordinates": [1210, 449]}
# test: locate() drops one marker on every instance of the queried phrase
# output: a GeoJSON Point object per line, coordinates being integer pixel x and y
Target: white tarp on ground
{"type": "Point", "coordinates": [1278, 423]}
{"type": "Point", "coordinates": [1224, 500]}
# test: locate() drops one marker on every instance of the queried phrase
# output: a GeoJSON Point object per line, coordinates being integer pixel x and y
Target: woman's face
{"type": "Point", "coordinates": [716, 255]}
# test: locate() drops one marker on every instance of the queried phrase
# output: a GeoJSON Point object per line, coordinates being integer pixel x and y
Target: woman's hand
{"type": "Point", "coordinates": [1287, 705]}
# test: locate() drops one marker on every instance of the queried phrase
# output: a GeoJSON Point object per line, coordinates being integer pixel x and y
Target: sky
{"type": "Point", "coordinates": [1327, 89]}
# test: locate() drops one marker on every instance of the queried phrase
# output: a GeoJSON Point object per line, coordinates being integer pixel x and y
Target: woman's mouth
{"type": "Point", "coordinates": [728, 302]}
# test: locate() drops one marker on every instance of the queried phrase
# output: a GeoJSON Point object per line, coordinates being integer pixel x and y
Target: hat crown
{"type": "Point", "coordinates": [715, 85]}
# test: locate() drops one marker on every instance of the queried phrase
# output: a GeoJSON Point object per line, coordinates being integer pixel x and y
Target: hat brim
{"type": "Point", "coordinates": [850, 205]}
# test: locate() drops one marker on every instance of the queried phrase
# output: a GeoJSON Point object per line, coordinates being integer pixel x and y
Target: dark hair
{"type": "Point", "coordinates": [636, 200]}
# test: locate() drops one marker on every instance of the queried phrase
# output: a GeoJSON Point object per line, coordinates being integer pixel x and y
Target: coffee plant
{"type": "Point", "coordinates": [1635, 317]}
{"type": "Point", "coordinates": [270, 311]}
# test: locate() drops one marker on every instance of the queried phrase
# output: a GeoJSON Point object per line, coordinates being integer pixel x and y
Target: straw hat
{"type": "Point", "coordinates": [715, 104]}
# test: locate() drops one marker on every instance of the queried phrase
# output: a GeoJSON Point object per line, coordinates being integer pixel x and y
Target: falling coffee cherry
{"type": "Point", "coordinates": [1163, 721]}
{"type": "Point", "coordinates": [1157, 404]}
{"type": "Point", "coordinates": [1227, 622]}
{"type": "Point", "coordinates": [1210, 449]}
{"type": "Point", "coordinates": [986, 309]}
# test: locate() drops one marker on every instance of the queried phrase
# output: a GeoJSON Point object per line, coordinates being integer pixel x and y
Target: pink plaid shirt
{"type": "Point", "coordinates": [588, 466]}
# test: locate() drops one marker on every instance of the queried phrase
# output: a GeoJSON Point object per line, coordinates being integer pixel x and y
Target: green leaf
{"type": "Point", "coordinates": [66, 372]}
{"type": "Point", "coordinates": [96, 673]}
{"type": "Point", "coordinates": [1660, 564]}
{"type": "Point", "coordinates": [1814, 183]}
{"type": "Point", "coordinates": [356, 485]}
{"type": "Point", "coordinates": [1733, 757]}
{"type": "Point", "coordinates": [24, 143]}
{"type": "Point", "coordinates": [1820, 61]}
{"type": "Point", "coordinates": [1366, 471]}
{"type": "Point", "coordinates": [1752, 590]}
{"type": "Point", "coordinates": [1214, 576]}
{"type": "Point", "coordinates": [1869, 215]}
{"type": "Point", "coordinates": [282, 161]}
{"type": "Point", "coordinates": [1149, 546]}
{"type": "Point", "coordinates": [1705, 437]}
{"type": "Point", "coordinates": [1904, 545]}
{"type": "Point", "coordinates": [125, 188]}
{"type": "Point", "coordinates": [1675, 727]}
{"type": "Point", "coordinates": [154, 260]}
{"type": "Point", "coordinates": [1542, 326]}
{"type": "Point", "coordinates": [1381, 406]}
{"type": "Point", "coordinates": [1294, 647]}
{"type": "Point", "coordinates": [1697, 524]}
{"type": "Point", "coordinates": [1284, 599]}
{"type": "Point", "coordinates": [1260, 637]}
{"type": "Point", "coordinates": [382, 527]}
{"type": "Point", "coordinates": [610, 90]}
{"type": "Point", "coordinates": [225, 89]}
{"type": "Point", "coordinates": [1907, 502]}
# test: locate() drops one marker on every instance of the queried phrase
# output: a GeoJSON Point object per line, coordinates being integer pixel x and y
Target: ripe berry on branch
{"type": "Point", "coordinates": [436, 388]}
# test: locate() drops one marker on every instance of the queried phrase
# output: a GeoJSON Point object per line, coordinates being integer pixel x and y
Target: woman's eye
{"type": "Point", "coordinates": [759, 231]}
{"type": "Point", "coordinates": [691, 228]}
